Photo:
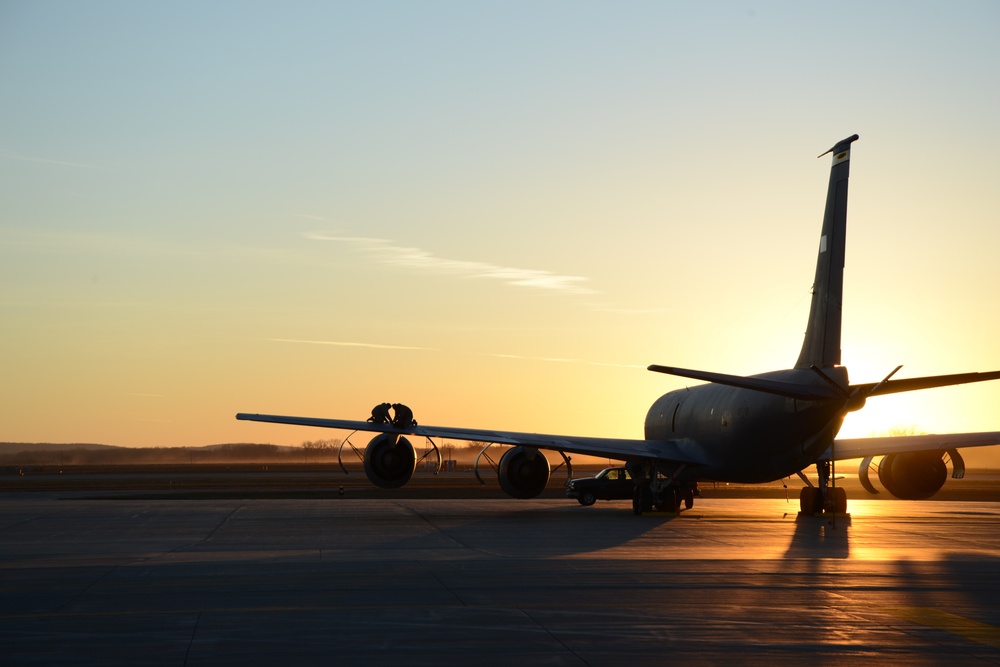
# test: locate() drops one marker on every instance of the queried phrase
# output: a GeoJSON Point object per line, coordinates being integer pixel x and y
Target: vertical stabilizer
{"type": "Point", "coordinates": [821, 346]}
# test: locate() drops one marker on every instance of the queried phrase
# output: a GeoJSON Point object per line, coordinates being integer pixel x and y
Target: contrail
{"type": "Point", "coordinates": [378, 346]}
{"type": "Point", "coordinates": [64, 163]}
{"type": "Point", "coordinates": [417, 258]}
{"type": "Point", "coordinates": [352, 344]}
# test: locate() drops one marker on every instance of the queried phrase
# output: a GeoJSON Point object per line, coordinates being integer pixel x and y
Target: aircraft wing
{"type": "Point", "coordinates": [678, 451]}
{"type": "Point", "coordinates": [856, 448]}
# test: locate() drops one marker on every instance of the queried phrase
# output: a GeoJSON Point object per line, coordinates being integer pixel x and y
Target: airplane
{"type": "Point", "coordinates": [743, 429]}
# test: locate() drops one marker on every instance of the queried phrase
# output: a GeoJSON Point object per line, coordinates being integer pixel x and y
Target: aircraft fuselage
{"type": "Point", "coordinates": [746, 435]}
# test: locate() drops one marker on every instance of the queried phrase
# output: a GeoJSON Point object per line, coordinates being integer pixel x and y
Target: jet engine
{"type": "Point", "coordinates": [913, 475]}
{"type": "Point", "coordinates": [389, 460]}
{"type": "Point", "coordinates": [523, 472]}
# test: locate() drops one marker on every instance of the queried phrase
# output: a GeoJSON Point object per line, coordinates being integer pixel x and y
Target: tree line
{"type": "Point", "coordinates": [309, 451]}
{"type": "Point", "coordinates": [318, 451]}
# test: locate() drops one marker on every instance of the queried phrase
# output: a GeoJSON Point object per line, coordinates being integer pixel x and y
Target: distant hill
{"type": "Point", "coordinates": [15, 447]}
{"type": "Point", "coordinates": [47, 453]}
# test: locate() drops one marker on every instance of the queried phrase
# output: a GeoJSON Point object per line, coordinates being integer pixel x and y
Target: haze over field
{"type": "Point", "coordinates": [497, 213]}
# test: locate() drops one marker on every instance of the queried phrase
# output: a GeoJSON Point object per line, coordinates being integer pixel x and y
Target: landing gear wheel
{"type": "Point", "coordinates": [670, 500]}
{"type": "Point", "coordinates": [642, 500]}
{"type": "Point", "coordinates": [587, 499]}
{"type": "Point", "coordinates": [809, 500]}
{"type": "Point", "coordinates": [839, 501]}
{"type": "Point", "coordinates": [688, 499]}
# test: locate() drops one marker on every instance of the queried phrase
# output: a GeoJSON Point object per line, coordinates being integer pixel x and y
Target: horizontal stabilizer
{"type": "Point", "coordinates": [790, 389]}
{"type": "Point", "coordinates": [930, 382]}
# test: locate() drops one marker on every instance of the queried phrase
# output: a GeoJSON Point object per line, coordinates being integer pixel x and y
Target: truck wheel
{"type": "Point", "coordinates": [587, 499]}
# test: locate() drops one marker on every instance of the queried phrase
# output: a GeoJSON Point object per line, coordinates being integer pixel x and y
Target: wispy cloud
{"type": "Point", "coordinates": [351, 344]}
{"type": "Point", "coordinates": [62, 163]}
{"type": "Point", "coordinates": [422, 260]}
{"type": "Point", "coordinates": [497, 355]}
{"type": "Point", "coordinates": [614, 310]}
{"type": "Point", "coordinates": [557, 360]}
{"type": "Point", "coordinates": [311, 216]}
{"type": "Point", "coordinates": [108, 243]}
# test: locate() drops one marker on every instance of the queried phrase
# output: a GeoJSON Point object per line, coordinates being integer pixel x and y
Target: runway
{"type": "Point", "coordinates": [494, 582]}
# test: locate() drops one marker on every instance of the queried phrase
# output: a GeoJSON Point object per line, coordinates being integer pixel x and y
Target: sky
{"type": "Point", "coordinates": [498, 213]}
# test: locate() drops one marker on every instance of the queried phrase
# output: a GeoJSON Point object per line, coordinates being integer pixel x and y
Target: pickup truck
{"type": "Point", "coordinates": [609, 484]}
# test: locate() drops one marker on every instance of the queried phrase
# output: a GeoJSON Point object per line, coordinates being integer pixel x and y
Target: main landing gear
{"type": "Point", "coordinates": [662, 495]}
{"type": "Point", "coordinates": [659, 489]}
{"type": "Point", "coordinates": [822, 499]}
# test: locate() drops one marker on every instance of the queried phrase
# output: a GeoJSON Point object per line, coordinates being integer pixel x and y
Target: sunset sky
{"type": "Point", "coordinates": [498, 213]}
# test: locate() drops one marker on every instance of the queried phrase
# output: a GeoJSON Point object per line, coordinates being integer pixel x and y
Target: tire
{"type": "Point", "coordinates": [840, 500]}
{"type": "Point", "coordinates": [809, 500]}
{"type": "Point", "coordinates": [646, 498]}
{"type": "Point", "coordinates": [587, 499]}
{"type": "Point", "coordinates": [642, 500]}
{"type": "Point", "coordinates": [675, 498]}
{"type": "Point", "coordinates": [668, 500]}
{"type": "Point", "coordinates": [688, 499]}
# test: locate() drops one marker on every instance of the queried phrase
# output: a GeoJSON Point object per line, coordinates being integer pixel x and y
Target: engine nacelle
{"type": "Point", "coordinates": [389, 461]}
{"type": "Point", "coordinates": [523, 472]}
{"type": "Point", "coordinates": [913, 475]}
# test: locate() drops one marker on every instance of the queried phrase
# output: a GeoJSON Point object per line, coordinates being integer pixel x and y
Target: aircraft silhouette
{"type": "Point", "coordinates": [749, 429]}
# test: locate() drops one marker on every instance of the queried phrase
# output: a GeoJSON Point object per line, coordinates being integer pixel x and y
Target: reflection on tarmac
{"type": "Point", "coordinates": [495, 582]}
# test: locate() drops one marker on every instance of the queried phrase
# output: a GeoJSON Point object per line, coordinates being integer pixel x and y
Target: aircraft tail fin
{"type": "Point", "coordinates": [821, 346]}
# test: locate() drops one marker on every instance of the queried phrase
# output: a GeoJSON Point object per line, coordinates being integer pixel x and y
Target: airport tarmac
{"type": "Point", "coordinates": [494, 582]}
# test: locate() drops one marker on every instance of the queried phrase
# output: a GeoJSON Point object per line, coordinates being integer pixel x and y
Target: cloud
{"type": "Point", "coordinates": [310, 216]}
{"type": "Point", "coordinates": [62, 163]}
{"type": "Point", "coordinates": [557, 360]}
{"type": "Point", "coordinates": [107, 243]}
{"type": "Point", "coordinates": [518, 357]}
{"type": "Point", "coordinates": [351, 344]}
{"type": "Point", "coordinates": [422, 260]}
{"type": "Point", "coordinates": [613, 310]}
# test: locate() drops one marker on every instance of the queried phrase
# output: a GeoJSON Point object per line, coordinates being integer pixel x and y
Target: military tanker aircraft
{"type": "Point", "coordinates": [744, 429]}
